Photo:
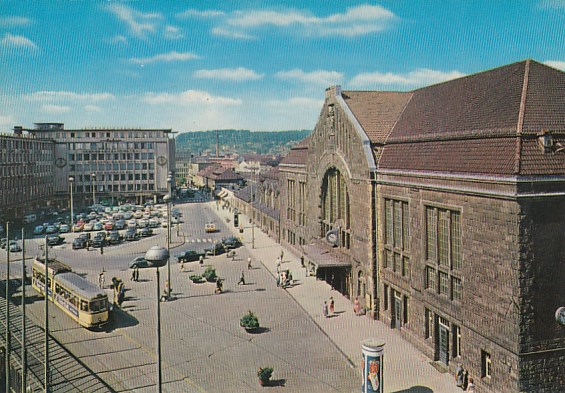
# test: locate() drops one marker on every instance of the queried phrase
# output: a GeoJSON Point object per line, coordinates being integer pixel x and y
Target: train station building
{"type": "Point", "coordinates": [443, 211]}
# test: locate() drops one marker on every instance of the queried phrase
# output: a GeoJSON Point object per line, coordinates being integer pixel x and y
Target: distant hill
{"type": "Point", "coordinates": [239, 141]}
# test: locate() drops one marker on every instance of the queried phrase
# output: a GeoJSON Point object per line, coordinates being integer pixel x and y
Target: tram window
{"type": "Point", "coordinates": [83, 305]}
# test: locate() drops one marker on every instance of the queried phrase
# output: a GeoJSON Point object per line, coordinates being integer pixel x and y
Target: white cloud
{"type": "Point", "coordinates": [55, 109]}
{"type": "Point", "coordinates": [298, 102]}
{"type": "Point", "coordinates": [188, 97]}
{"type": "Point", "coordinates": [560, 65]}
{"type": "Point", "coordinates": [172, 33]}
{"type": "Point", "coordinates": [418, 77]}
{"type": "Point", "coordinates": [232, 74]}
{"type": "Point", "coordinates": [5, 122]}
{"type": "Point", "coordinates": [92, 108]}
{"type": "Point", "coordinates": [356, 21]}
{"type": "Point", "coordinates": [68, 96]}
{"type": "Point", "coordinates": [139, 23]}
{"type": "Point", "coordinates": [17, 41]}
{"type": "Point", "coordinates": [14, 21]}
{"type": "Point", "coordinates": [118, 39]}
{"type": "Point", "coordinates": [165, 57]}
{"type": "Point", "coordinates": [553, 4]}
{"type": "Point", "coordinates": [223, 32]}
{"type": "Point", "coordinates": [199, 14]}
{"type": "Point", "coordinates": [318, 77]}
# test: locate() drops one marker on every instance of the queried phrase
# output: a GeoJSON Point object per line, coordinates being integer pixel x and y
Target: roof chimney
{"type": "Point", "coordinates": [333, 91]}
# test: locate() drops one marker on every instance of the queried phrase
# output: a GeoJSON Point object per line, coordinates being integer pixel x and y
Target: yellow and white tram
{"type": "Point", "coordinates": [80, 299]}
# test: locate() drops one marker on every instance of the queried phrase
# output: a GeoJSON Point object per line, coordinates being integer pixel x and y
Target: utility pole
{"type": "Point", "coordinates": [8, 346]}
{"type": "Point", "coordinates": [46, 288]}
{"type": "Point", "coordinates": [24, 347]}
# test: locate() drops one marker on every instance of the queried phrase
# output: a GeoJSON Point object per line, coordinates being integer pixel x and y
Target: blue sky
{"type": "Point", "coordinates": [258, 65]}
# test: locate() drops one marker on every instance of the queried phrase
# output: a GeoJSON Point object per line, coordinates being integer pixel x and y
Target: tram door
{"type": "Point", "coordinates": [443, 341]}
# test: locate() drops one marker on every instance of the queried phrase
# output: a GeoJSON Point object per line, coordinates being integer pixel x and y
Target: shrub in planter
{"type": "Point", "coordinates": [196, 278]}
{"type": "Point", "coordinates": [249, 321]}
{"type": "Point", "coordinates": [210, 274]}
{"type": "Point", "coordinates": [264, 375]}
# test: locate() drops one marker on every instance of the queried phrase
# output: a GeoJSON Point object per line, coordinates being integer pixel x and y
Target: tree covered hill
{"type": "Point", "coordinates": [239, 141]}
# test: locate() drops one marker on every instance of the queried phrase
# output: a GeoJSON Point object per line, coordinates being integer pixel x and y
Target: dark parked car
{"type": "Point", "coordinates": [144, 232]}
{"type": "Point", "coordinates": [216, 249]}
{"type": "Point", "coordinates": [39, 230]}
{"type": "Point", "coordinates": [231, 243]}
{"type": "Point", "coordinates": [55, 240]}
{"type": "Point", "coordinates": [114, 238]}
{"type": "Point", "coordinates": [188, 256]}
{"type": "Point", "coordinates": [131, 235]}
{"type": "Point", "coordinates": [139, 262]}
{"type": "Point", "coordinates": [99, 240]}
{"type": "Point", "coordinates": [79, 242]}
{"type": "Point", "coordinates": [51, 229]}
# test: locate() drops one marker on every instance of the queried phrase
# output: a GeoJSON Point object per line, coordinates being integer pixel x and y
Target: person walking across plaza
{"type": "Point", "coordinates": [325, 309]}
{"type": "Point", "coordinates": [332, 306]}
{"type": "Point", "coordinates": [241, 279]}
{"type": "Point", "coordinates": [248, 263]}
{"type": "Point", "coordinates": [182, 266]}
{"type": "Point", "coordinates": [471, 386]}
{"type": "Point", "coordinates": [356, 306]}
{"type": "Point", "coordinates": [101, 279]}
{"type": "Point", "coordinates": [136, 274]}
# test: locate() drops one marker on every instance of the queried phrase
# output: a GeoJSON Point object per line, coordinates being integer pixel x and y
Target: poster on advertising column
{"type": "Point", "coordinates": [372, 366]}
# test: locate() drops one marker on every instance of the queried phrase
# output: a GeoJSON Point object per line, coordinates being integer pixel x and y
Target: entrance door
{"type": "Point", "coordinates": [443, 341]}
{"type": "Point", "coordinates": [397, 312]}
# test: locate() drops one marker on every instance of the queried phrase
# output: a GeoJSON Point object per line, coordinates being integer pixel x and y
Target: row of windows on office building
{"type": "Point", "coordinates": [97, 156]}
{"type": "Point", "coordinates": [114, 166]}
{"type": "Point", "coordinates": [111, 146]}
{"type": "Point", "coordinates": [109, 134]}
{"type": "Point", "coordinates": [115, 187]}
{"type": "Point", "coordinates": [19, 170]}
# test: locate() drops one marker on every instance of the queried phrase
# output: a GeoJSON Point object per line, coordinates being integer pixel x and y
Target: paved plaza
{"type": "Point", "coordinates": [203, 347]}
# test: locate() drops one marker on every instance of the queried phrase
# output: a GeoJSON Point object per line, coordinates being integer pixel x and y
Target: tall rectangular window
{"type": "Point", "coordinates": [486, 364]}
{"type": "Point", "coordinates": [431, 231]}
{"type": "Point", "coordinates": [398, 224]}
{"type": "Point", "coordinates": [456, 240]}
{"type": "Point", "coordinates": [385, 297]}
{"type": "Point", "coordinates": [443, 283]}
{"type": "Point", "coordinates": [388, 222]}
{"type": "Point", "coordinates": [456, 351]}
{"type": "Point", "coordinates": [429, 323]}
{"type": "Point", "coordinates": [431, 280]}
{"type": "Point", "coordinates": [443, 238]}
{"type": "Point", "coordinates": [456, 289]}
{"type": "Point", "coordinates": [405, 309]}
{"type": "Point", "coordinates": [405, 228]}
{"type": "Point", "coordinates": [397, 235]}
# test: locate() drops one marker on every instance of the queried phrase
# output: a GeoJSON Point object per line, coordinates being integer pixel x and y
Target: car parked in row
{"type": "Point", "coordinates": [55, 240]}
{"type": "Point", "coordinates": [79, 242]}
{"type": "Point", "coordinates": [189, 256]}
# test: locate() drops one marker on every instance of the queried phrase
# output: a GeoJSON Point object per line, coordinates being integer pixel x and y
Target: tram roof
{"type": "Point", "coordinates": [79, 285]}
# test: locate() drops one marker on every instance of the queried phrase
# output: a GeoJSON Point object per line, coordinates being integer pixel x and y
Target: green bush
{"type": "Point", "coordinates": [210, 274]}
{"type": "Point", "coordinates": [265, 373]}
{"type": "Point", "coordinates": [249, 320]}
{"type": "Point", "coordinates": [195, 277]}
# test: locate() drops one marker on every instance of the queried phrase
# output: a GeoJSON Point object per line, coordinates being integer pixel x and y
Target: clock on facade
{"type": "Point", "coordinates": [161, 161]}
{"type": "Point", "coordinates": [60, 162]}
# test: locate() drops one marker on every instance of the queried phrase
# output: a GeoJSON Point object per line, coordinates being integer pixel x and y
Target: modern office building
{"type": "Point", "coordinates": [26, 175]}
{"type": "Point", "coordinates": [443, 210]}
{"type": "Point", "coordinates": [114, 165]}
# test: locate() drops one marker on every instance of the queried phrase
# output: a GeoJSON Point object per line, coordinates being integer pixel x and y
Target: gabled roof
{"type": "Point", "coordinates": [298, 155]}
{"type": "Point", "coordinates": [484, 123]}
{"type": "Point", "coordinates": [376, 111]}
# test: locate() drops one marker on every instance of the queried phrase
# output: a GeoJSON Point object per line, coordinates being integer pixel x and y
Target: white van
{"type": "Point", "coordinates": [30, 218]}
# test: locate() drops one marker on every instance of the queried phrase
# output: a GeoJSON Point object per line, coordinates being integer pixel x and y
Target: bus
{"type": "Point", "coordinates": [81, 300]}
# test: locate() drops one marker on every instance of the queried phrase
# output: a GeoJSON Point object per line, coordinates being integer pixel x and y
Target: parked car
{"type": "Point", "coordinates": [78, 226]}
{"type": "Point", "coordinates": [55, 240]}
{"type": "Point", "coordinates": [139, 262]}
{"type": "Point", "coordinates": [64, 228]}
{"type": "Point", "coordinates": [39, 230]}
{"type": "Point", "coordinates": [3, 243]}
{"type": "Point", "coordinates": [131, 235]}
{"type": "Point", "coordinates": [51, 229]}
{"type": "Point", "coordinates": [188, 256]}
{"type": "Point", "coordinates": [153, 223]}
{"type": "Point", "coordinates": [109, 225]}
{"type": "Point", "coordinates": [79, 242]}
{"type": "Point", "coordinates": [97, 226]}
{"type": "Point", "coordinates": [216, 249]}
{"type": "Point", "coordinates": [120, 224]}
{"type": "Point", "coordinates": [14, 246]}
{"type": "Point", "coordinates": [231, 242]}
{"type": "Point", "coordinates": [114, 238]}
{"type": "Point", "coordinates": [89, 226]}
{"type": "Point", "coordinates": [99, 240]}
{"type": "Point", "coordinates": [144, 232]}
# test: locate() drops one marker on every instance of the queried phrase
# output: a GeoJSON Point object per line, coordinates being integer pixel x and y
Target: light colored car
{"type": "Point", "coordinates": [97, 226]}
{"type": "Point", "coordinates": [78, 227]}
{"type": "Point", "coordinates": [143, 223]}
{"type": "Point", "coordinates": [88, 226]}
{"type": "Point", "coordinates": [64, 228]}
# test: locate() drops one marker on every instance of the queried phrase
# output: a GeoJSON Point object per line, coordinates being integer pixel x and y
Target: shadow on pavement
{"type": "Point", "coordinates": [276, 382]}
{"type": "Point", "coordinates": [120, 319]}
{"type": "Point", "coordinates": [416, 389]}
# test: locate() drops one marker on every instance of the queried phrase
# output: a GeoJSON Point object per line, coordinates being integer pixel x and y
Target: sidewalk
{"type": "Point", "coordinates": [406, 370]}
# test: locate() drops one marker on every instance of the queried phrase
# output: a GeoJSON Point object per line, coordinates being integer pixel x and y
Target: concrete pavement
{"type": "Point", "coordinates": [405, 368]}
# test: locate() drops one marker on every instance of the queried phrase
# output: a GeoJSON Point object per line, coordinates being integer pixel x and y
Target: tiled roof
{"type": "Point", "coordinates": [376, 111]}
{"type": "Point", "coordinates": [296, 156]}
{"type": "Point", "coordinates": [483, 123]}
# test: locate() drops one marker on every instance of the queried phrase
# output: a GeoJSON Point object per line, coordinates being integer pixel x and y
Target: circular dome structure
{"type": "Point", "coordinates": [157, 256]}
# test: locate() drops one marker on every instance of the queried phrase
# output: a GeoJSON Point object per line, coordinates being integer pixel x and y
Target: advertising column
{"type": "Point", "coordinates": [372, 366]}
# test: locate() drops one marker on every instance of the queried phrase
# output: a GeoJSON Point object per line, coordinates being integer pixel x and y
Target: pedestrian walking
{"type": "Point", "coordinates": [248, 263]}
{"type": "Point", "coordinates": [332, 305]}
{"type": "Point", "coordinates": [132, 274]}
{"type": "Point", "coordinates": [101, 279]}
{"type": "Point", "coordinates": [233, 255]}
{"type": "Point", "coordinates": [201, 260]}
{"type": "Point", "coordinates": [241, 279]}
{"type": "Point", "coordinates": [356, 306]}
{"type": "Point", "coordinates": [325, 309]}
{"type": "Point", "coordinates": [282, 255]}
{"type": "Point", "coordinates": [471, 386]}
{"type": "Point", "coordinates": [136, 273]}
{"type": "Point", "coordinates": [459, 376]}
{"type": "Point", "coordinates": [182, 266]}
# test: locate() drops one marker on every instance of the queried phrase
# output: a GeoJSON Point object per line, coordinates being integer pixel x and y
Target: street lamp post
{"type": "Point", "coordinates": [167, 199]}
{"type": "Point", "coordinates": [71, 181]}
{"type": "Point", "coordinates": [93, 178]}
{"type": "Point", "coordinates": [8, 348]}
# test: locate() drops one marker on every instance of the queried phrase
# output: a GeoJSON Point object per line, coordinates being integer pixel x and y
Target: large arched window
{"type": "Point", "coordinates": [335, 212]}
